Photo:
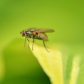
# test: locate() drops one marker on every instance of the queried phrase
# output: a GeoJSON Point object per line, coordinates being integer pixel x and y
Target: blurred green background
{"type": "Point", "coordinates": [17, 63]}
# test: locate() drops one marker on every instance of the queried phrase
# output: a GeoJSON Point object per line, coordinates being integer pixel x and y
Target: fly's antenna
{"type": "Point", "coordinates": [20, 32]}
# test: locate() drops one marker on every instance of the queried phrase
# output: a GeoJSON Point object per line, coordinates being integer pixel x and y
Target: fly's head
{"type": "Point", "coordinates": [23, 33]}
{"type": "Point", "coordinates": [28, 33]}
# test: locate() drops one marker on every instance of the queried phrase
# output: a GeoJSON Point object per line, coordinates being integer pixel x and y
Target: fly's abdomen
{"type": "Point", "coordinates": [42, 36]}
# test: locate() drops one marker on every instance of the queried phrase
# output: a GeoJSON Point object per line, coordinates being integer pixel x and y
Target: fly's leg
{"type": "Point", "coordinates": [34, 39]}
{"type": "Point", "coordinates": [33, 42]}
{"type": "Point", "coordinates": [27, 40]}
{"type": "Point", "coordinates": [45, 46]}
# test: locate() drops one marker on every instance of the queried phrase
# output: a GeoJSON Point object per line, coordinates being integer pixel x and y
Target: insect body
{"type": "Point", "coordinates": [37, 34]}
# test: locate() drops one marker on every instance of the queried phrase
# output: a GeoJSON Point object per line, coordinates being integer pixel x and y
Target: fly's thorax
{"type": "Point", "coordinates": [29, 34]}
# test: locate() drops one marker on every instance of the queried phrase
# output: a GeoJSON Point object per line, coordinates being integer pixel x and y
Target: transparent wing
{"type": "Point", "coordinates": [44, 30]}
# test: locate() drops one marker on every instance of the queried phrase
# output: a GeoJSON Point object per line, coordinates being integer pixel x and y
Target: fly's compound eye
{"type": "Point", "coordinates": [23, 33]}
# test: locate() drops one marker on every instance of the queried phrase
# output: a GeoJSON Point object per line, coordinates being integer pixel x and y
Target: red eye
{"type": "Point", "coordinates": [23, 32]}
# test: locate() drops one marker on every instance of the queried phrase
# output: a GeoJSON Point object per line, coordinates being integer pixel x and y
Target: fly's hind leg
{"type": "Point", "coordinates": [45, 46]}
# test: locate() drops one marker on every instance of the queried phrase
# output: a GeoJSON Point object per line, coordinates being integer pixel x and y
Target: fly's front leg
{"type": "Point", "coordinates": [45, 46]}
{"type": "Point", "coordinates": [27, 40]}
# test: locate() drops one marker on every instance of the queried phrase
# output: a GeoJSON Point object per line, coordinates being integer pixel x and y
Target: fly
{"type": "Point", "coordinates": [36, 34]}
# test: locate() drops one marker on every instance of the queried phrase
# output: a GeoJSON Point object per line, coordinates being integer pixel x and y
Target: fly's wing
{"type": "Point", "coordinates": [31, 29]}
{"type": "Point", "coordinates": [44, 30]}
